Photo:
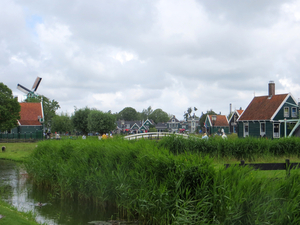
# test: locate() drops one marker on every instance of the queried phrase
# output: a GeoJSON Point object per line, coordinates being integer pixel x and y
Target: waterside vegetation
{"type": "Point", "coordinates": [13, 217]}
{"type": "Point", "coordinates": [173, 181]}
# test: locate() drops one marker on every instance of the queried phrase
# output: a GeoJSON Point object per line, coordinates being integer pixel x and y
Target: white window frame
{"type": "Point", "coordinates": [262, 133]}
{"type": "Point", "coordinates": [277, 134]}
{"type": "Point", "coordinates": [244, 129]}
{"type": "Point", "coordinates": [286, 113]}
{"type": "Point", "coordinates": [294, 114]}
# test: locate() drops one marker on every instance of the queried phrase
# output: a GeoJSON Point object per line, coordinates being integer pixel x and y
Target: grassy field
{"type": "Point", "coordinates": [18, 152]}
{"type": "Point", "coordinates": [174, 181]}
{"type": "Point", "coordinates": [14, 217]}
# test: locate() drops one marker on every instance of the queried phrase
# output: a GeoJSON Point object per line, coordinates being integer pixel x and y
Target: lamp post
{"type": "Point", "coordinates": [213, 118]}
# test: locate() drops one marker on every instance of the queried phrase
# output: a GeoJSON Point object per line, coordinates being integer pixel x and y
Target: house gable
{"type": "Point", "coordinates": [262, 108]}
{"type": "Point", "coordinates": [289, 103]}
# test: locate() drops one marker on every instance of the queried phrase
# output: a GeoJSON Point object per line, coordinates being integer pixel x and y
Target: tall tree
{"type": "Point", "coordinates": [80, 119]}
{"type": "Point", "coordinates": [146, 113]}
{"type": "Point", "coordinates": [49, 107]}
{"type": "Point", "coordinates": [128, 114]}
{"type": "Point", "coordinates": [188, 114]}
{"type": "Point", "coordinates": [9, 109]}
{"type": "Point", "coordinates": [101, 122]}
{"type": "Point", "coordinates": [61, 123]}
{"type": "Point", "coordinates": [203, 117]}
{"type": "Point", "coordinates": [158, 115]}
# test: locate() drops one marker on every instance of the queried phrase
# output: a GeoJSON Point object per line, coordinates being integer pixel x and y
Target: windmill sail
{"type": "Point", "coordinates": [23, 89]}
{"type": "Point", "coordinates": [36, 84]}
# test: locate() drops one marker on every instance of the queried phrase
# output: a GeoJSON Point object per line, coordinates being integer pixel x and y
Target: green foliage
{"type": "Point", "coordinates": [9, 109]}
{"type": "Point", "coordinates": [155, 187]}
{"type": "Point", "coordinates": [61, 123]}
{"type": "Point", "coordinates": [158, 115]}
{"type": "Point", "coordinates": [238, 148]}
{"type": "Point", "coordinates": [13, 216]}
{"type": "Point", "coordinates": [128, 114]}
{"type": "Point", "coordinates": [146, 113]}
{"type": "Point", "coordinates": [188, 114]}
{"type": "Point", "coordinates": [80, 119]}
{"type": "Point", "coordinates": [101, 122]}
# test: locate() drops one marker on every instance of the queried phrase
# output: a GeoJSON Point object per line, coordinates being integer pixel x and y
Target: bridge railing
{"type": "Point", "coordinates": [152, 135]}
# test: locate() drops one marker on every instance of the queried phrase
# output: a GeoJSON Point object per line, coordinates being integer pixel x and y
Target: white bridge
{"type": "Point", "coordinates": [153, 135]}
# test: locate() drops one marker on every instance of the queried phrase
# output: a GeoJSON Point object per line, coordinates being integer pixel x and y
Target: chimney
{"type": "Point", "coordinates": [271, 89]}
{"type": "Point", "coordinates": [230, 109]}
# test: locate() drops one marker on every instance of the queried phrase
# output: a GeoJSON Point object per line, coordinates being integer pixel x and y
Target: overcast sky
{"type": "Point", "coordinates": [167, 54]}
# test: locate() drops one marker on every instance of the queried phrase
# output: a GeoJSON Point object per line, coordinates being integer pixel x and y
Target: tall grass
{"type": "Point", "coordinates": [150, 183]}
{"type": "Point", "coordinates": [241, 148]}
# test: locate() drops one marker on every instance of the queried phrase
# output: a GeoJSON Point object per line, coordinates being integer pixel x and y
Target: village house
{"type": "Point", "coordinates": [31, 121]}
{"type": "Point", "coordinates": [233, 126]}
{"type": "Point", "coordinates": [216, 124]}
{"type": "Point", "coordinates": [265, 116]}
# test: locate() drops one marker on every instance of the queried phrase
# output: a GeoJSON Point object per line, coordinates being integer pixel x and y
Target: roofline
{"type": "Point", "coordinates": [280, 106]}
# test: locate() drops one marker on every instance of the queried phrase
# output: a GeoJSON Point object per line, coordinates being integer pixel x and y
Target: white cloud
{"type": "Point", "coordinates": [165, 54]}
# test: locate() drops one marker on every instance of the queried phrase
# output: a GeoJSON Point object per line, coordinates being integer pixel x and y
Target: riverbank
{"type": "Point", "coordinates": [11, 216]}
{"type": "Point", "coordinates": [18, 152]}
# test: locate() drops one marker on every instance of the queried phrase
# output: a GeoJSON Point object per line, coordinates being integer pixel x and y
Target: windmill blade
{"type": "Point", "coordinates": [23, 89]}
{"type": "Point", "coordinates": [36, 84]}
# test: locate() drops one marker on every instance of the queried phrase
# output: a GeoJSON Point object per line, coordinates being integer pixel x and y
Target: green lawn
{"type": "Point", "coordinates": [14, 217]}
{"type": "Point", "coordinates": [17, 151]}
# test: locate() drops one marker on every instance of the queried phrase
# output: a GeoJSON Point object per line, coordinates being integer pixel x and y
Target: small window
{"type": "Point", "coordinates": [246, 129]}
{"type": "Point", "coordinates": [286, 112]}
{"type": "Point", "coordinates": [262, 129]}
{"type": "Point", "coordinates": [173, 121]}
{"type": "Point", "coordinates": [276, 130]}
{"type": "Point", "coordinates": [294, 112]}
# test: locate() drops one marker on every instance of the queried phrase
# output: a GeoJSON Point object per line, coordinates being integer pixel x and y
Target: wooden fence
{"type": "Point", "coordinates": [269, 166]}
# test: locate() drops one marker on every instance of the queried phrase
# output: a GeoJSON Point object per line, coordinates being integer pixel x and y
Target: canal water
{"type": "Point", "coordinates": [16, 189]}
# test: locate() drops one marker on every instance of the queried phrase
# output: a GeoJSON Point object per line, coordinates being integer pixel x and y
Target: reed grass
{"type": "Point", "coordinates": [238, 148]}
{"type": "Point", "coordinates": [174, 181]}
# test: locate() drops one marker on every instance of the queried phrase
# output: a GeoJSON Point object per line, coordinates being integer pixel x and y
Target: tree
{"type": "Point", "coordinates": [101, 122]}
{"type": "Point", "coordinates": [80, 119]}
{"type": "Point", "coordinates": [146, 113]}
{"type": "Point", "coordinates": [203, 117]}
{"type": "Point", "coordinates": [128, 114]}
{"type": "Point", "coordinates": [49, 108]}
{"type": "Point", "coordinates": [158, 115]}
{"type": "Point", "coordinates": [9, 109]}
{"type": "Point", "coordinates": [61, 123]}
{"type": "Point", "coordinates": [188, 113]}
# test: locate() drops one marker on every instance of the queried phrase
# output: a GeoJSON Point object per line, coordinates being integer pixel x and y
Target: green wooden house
{"type": "Point", "coordinates": [31, 122]}
{"type": "Point", "coordinates": [216, 124]}
{"type": "Point", "coordinates": [265, 115]}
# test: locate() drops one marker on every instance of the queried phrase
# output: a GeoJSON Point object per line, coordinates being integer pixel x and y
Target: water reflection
{"type": "Point", "coordinates": [19, 192]}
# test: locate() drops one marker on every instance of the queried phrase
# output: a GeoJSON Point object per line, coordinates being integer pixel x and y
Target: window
{"type": "Point", "coordinates": [294, 112]}
{"type": "Point", "coordinates": [276, 130]}
{"type": "Point", "coordinates": [246, 129]}
{"type": "Point", "coordinates": [286, 112]}
{"type": "Point", "coordinates": [262, 129]}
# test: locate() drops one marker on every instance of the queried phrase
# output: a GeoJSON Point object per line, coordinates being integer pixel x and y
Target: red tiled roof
{"type": "Point", "coordinates": [240, 111]}
{"type": "Point", "coordinates": [263, 108]}
{"type": "Point", "coordinates": [221, 121]}
{"type": "Point", "coordinates": [30, 112]}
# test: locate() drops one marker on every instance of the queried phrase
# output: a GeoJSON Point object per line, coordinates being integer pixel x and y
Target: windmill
{"type": "Point", "coordinates": [30, 93]}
